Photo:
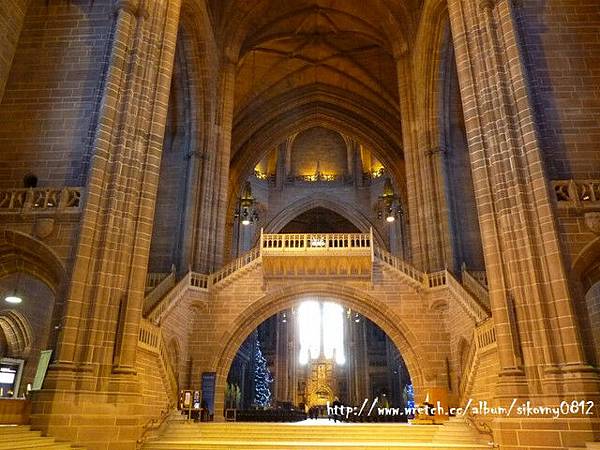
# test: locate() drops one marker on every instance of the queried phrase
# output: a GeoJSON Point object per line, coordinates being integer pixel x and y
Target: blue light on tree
{"type": "Point", "coordinates": [262, 379]}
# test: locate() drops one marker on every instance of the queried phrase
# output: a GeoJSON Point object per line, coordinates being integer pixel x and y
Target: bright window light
{"type": "Point", "coordinates": [309, 322]}
{"type": "Point", "coordinates": [321, 323]}
{"type": "Point", "coordinates": [333, 332]}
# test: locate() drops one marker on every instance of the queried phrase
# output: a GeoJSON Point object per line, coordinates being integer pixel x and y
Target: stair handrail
{"type": "Point", "coordinates": [150, 337]}
{"type": "Point", "coordinates": [160, 290]}
{"type": "Point", "coordinates": [399, 264]}
{"type": "Point", "coordinates": [484, 339]}
{"type": "Point", "coordinates": [155, 312]}
{"type": "Point", "coordinates": [168, 367]}
{"type": "Point", "coordinates": [475, 286]}
{"type": "Point", "coordinates": [472, 306]}
{"type": "Point", "coordinates": [235, 265]}
{"type": "Point", "coordinates": [154, 424]}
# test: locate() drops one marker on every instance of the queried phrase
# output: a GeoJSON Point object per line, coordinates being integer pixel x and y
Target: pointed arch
{"type": "Point", "coordinates": [17, 332]}
{"type": "Point", "coordinates": [342, 208]}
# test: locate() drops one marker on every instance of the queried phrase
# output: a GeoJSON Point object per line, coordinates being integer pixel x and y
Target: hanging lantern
{"type": "Point", "coordinates": [389, 203]}
{"type": "Point", "coordinates": [14, 297]}
{"type": "Point", "coordinates": [246, 211]}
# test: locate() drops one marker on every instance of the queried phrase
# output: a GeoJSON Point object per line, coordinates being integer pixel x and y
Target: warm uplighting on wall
{"type": "Point", "coordinates": [260, 175]}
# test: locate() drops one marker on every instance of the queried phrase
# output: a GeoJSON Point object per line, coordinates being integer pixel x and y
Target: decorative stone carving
{"type": "Point", "coordinates": [592, 220]}
{"type": "Point", "coordinates": [43, 228]}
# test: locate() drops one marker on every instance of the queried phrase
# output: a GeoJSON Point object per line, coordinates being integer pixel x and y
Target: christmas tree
{"type": "Point", "coordinates": [262, 379]}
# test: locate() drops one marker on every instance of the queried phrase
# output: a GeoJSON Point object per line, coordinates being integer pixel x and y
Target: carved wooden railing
{"type": "Point", "coordinates": [577, 193]}
{"type": "Point", "coordinates": [41, 199]}
{"type": "Point", "coordinates": [484, 339]}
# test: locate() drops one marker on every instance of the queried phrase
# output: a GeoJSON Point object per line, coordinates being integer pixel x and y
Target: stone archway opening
{"type": "Point", "coordinates": [316, 352]}
{"type": "Point", "coordinates": [287, 298]}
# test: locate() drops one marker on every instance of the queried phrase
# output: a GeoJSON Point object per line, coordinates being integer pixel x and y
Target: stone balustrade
{"type": "Point", "coordinates": [64, 199]}
{"type": "Point", "coordinates": [150, 338]}
{"type": "Point", "coordinates": [299, 245]}
{"type": "Point", "coordinates": [316, 242]}
{"type": "Point", "coordinates": [484, 339]}
{"type": "Point", "coordinates": [475, 286]}
{"type": "Point", "coordinates": [577, 193]}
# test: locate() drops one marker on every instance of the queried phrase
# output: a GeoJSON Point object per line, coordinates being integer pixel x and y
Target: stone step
{"type": "Point", "coordinates": [299, 445]}
{"type": "Point", "coordinates": [22, 437]}
{"type": "Point", "coordinates": [307, 435]}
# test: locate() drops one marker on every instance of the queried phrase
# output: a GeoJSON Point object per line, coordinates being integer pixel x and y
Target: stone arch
{"type": "Point", "coordinates": [20, 252]}
{"type": "Point", "coordinates": [261, 129]}
{"type": "Point", "coordinates": [286, 297]}
{"type": "Point", "coordinates": [586, 271]}
{"type": "Point", "coordinates": [586, 264]}
{"type": "Point", "coordinates": [319, 200]}
{"type": "Point", "coordinates": [17, 332]}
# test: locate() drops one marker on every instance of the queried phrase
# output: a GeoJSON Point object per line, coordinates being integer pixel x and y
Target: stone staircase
{"type": "Point", "coordinates": [455, 435]}
{"type": "Point", "coordinates": [13, 437]}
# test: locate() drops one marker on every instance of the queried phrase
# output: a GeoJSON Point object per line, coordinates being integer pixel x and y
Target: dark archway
{"type": "Point", "coordinates": [319, 220]}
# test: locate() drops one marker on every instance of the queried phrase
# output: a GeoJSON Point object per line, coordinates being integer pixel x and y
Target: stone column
{"type": "Point", "coordinates": [12, 16]}
{"type": "Point", "coordinates": [281, 171]}
{"type": "Point", "coordinates": [105, 298]}
{"type": "Point", "coordinates": [94, 374]}
{"type": "Point", "coordinates": [427, 208]}
{"type": "Point", "coordinates": [531, 300]}
{"type": "Point", "coordinates": [212, 210]}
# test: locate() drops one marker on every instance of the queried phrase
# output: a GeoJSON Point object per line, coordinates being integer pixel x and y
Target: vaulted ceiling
{"type": "Point", "coordinates": [305, 63]}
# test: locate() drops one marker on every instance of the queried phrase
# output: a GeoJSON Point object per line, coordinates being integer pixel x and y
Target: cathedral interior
{"type": "Point", "coordinates": [217, 213]}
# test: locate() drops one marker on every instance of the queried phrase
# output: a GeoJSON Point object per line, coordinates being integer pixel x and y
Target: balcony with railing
{"type": "Point", "coordinates": [41, 200]}
{"type": "Point", "coordinates": [577, 193]}
{"type": "Point", "coordinates": [317, 254]}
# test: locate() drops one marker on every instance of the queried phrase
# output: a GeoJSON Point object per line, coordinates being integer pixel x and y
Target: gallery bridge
{"type": "Point", "coordinates": [410, 306]}
{"type": "Point", "coordinates": [340, 256]}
